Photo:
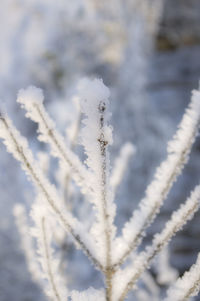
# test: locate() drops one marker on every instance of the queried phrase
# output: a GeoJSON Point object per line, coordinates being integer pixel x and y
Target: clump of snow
{"type": "Point", "coordinates": [94, 102]}
{"type": "Point", "coordinates": [31, 95]}
{"type": "Point", "coordinates": [92, 92]}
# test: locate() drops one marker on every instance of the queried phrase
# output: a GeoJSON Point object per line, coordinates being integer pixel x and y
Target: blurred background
{"type": "Point", "coordinates": [147, 52]}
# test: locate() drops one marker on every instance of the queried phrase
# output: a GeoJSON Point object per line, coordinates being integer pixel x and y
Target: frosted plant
{"type": "Point", "coordinates": [115, 256]}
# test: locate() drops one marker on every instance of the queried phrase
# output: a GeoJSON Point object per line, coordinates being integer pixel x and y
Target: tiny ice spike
{"type": "Point", "coordinates": [107, 251]}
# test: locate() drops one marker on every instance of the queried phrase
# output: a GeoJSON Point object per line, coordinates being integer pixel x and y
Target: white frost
{"type": "Point", "coordinates": [31, 100]}
{"type": "Point", "coordinates": [90, 294]}
{"type": "Point", "coordinates": [130, 275]}
{"type": "Point", "coordinates": [178, 154]}
{"type": "Point", "coordinates": [96, 136]}
{"type": "Point", "coordinates": [121, 164]}
{"type": "Point", "coordinates": [186, 286]}
{"type": "Point", "coordinates": [17, 145]}
{"type": "Point", "coordinates": [56, 288]}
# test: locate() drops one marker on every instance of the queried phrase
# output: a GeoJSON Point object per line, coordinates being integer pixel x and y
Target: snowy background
{"type": "Point", "coordinates": [149, 58]}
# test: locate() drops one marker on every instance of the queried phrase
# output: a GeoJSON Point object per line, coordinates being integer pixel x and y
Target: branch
{"type": "Point", "coordinates": [64, 176]}
{"type": "Point", "coordinates": [132, 273]}
{"type": "Point", "coordinates": [73, 130]}
{"type": "Point", "coordinates": [18, 147]}
{"type": "Point", "coordinates": [178, 154]}
{"type": "Point", "coordinates": [96, 137]}
{"type": "Point", "coordinates": [121, 164]}
{"type": "Point", "coordinates": [27, 242]}
{"type": "Point", "coordinates": [186, 286]}
{"type": "Point", "coordinates": [57, 289]}
{"type": "Point", "coordinates": [166, 274]}
{"type": "Point", "coordinates": [31, 99]}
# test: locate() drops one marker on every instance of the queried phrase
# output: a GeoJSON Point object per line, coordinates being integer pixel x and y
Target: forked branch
{"type": "Point", "coordinates": [17, 145]}
{"type": "Point", "coordinates": [178, 154]}
{"type": "Point", "coordinates": [179, 218]}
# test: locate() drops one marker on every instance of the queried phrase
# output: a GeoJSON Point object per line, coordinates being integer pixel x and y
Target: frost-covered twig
{"type": "Point", "coordinates": [186, 286]}
{"type": "Point", "coordinates": [120, 165]}
{"type": "Point", "coordinates": [32, 100]}
{"type": "Point", "coordinates": [73, 130]}
{"type": "Point", "coordinates": [166, 274]}
{"type": "Point", "coordinates": [96, 136]}
{"type": "Point", "coordinates": [130, 275]}
{"type": "Point", "coordinates": [56, 288]}
{"type": "Point", "coordinates": [178, 153]}
{"type": "Point", "coordinates": [151, 287]}
{"type": "Point", "coordinates": [26, 242]}
{"type": "Point", "coordinates": [64, 175]}
{"type": "Point", "coordinates": [18, 147]}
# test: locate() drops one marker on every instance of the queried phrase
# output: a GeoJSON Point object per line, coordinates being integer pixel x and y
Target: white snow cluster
{"type": "Point", "coordinates": [31, 95]}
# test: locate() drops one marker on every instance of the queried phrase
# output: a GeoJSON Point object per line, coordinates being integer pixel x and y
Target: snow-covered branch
{"type": "Point", "coordinates": [18, 147]}
{"type": "Point", "coordinates": [96, 137]}
{"type": "Point", "coordinates": [31, 99]}
{"type": "Point", "coordinates": [186, 286]}
{"type": "Point", "coordinates": [121, 164]}
{"type": "Point", "coordinates": [166, 274]}
{"type": "Point", "coordinates": [56, 288]}
{"type": "Point", "coordinates": [26, 242]}
{"type": "Point", "coordinates": [130, 275]}
{"type": "Point", "coordinates": [178, 154]}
